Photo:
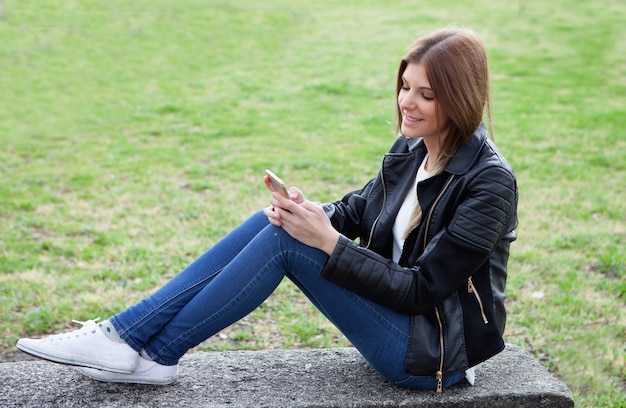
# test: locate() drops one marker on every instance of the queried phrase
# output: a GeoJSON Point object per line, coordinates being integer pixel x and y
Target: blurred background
{"type": "Point", "coordinates": [133, 135]}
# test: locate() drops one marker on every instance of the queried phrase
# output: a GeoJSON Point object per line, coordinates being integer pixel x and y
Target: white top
{"type": "Point", "coordinates": [404, 214]}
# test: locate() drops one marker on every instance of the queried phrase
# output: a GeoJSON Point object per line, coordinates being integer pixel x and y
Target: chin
{"type": "Point", "coordinates": [410, 135]}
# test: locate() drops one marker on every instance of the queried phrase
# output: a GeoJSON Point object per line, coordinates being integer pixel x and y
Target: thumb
{"type": "Point", "coordinates": [296, 195]}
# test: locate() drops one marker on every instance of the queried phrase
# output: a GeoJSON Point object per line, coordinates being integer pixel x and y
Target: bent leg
{"type": "Point", "coordinates": [239, 289]}
{"type": "Point", "coordinates": [138, 323]}
{"type": "Point", "coordinates": [380, 334]}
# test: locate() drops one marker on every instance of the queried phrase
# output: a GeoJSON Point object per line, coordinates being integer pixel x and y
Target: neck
{"type": "Point", "coordinates": [433, 144]}
{"type": "Point", "coordinates": [432, 150]}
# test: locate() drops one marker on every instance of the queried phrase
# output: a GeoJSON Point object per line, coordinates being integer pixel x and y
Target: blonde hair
{"type": "Point", "coordinates": [455, 61]}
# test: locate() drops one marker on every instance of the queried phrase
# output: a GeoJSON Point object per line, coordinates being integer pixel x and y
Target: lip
{"type": "Point", "coordinates": [410, 120]}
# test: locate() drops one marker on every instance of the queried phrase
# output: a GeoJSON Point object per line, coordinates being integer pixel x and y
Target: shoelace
{"type": "Point", "coordinates": [87, 326]}
{"type": "Point", "coordinates": [88, 323]}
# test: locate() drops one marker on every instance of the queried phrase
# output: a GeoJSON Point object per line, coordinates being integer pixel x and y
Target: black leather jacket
{"type": "Point", "coordinates": [452, 272]}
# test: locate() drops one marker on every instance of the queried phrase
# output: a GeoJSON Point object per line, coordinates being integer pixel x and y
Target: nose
{"type": "Point", "coordinates": [406, 101]}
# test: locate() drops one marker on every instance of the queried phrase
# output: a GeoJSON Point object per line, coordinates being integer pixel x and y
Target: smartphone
{"type": "Point", "coordinates": [277, 183]}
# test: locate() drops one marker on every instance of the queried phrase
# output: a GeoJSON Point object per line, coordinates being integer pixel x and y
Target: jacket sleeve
{"type": "Point", "coordinates": [453, 254]}
{"type": "Point", "coordinates": [345, 215]}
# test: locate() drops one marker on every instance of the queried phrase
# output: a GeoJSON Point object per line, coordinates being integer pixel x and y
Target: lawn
{"type": "Point", "coordinates": [133, 135]}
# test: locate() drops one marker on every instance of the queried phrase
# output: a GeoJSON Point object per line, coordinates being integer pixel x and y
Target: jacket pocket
{"type": "Point", "coordinates": [472, 289]}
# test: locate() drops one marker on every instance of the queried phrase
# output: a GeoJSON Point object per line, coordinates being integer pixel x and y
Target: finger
{"type": "Point", "coordinates": [296, 195]}
{"type": "Point", "coordinates": [273, 216]}
{"type": "Point", "coordinates": [268, 183]}
{"type": "Point", "coordinates": [268, 211]}
{"type": "Point", "coordinates": [311, 206]}
{"type": "Point", "coordinates": [289, 220]}
{"type": "Point", "coordinates": [277, 200]}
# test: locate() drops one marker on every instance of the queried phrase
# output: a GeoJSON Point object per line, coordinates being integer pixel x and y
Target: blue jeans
{"type": "Point", "coordinates": [236, 275]}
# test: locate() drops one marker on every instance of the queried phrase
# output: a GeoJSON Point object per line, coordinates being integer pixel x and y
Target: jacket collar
{"type": "Point", "coordinates": [464, 157]}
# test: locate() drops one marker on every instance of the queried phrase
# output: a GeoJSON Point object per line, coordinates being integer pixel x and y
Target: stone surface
{"type": "Point", "coordinates": [283, 378]}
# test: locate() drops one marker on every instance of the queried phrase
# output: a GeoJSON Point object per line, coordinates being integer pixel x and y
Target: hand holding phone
{"type": "Point", "coordinates": [277, 184]}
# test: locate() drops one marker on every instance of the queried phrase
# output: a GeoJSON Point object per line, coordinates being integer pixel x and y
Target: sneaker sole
{"type": "Point", "coordinates": [68, 360]}
{"type": "Point", "coordinates": [101, 376]}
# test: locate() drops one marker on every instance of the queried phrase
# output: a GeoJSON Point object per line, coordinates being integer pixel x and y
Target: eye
{"type": "Point", "coordinates": [428, 97]}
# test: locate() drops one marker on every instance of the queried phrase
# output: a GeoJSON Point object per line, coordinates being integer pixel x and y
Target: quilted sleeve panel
{"type": "Point", "coordinates": [483, 216]}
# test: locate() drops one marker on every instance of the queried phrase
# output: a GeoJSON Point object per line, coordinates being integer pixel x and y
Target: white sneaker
{"type": "Point", "coordinates": [147, 372]}
{"type": "Point", "coordinates": [87, 347]}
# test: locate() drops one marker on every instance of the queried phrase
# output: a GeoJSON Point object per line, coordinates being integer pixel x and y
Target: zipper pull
{"type": "Point", "coordinates": [471, 289]}
{"type": "Point", "coordinates": [439, 376]}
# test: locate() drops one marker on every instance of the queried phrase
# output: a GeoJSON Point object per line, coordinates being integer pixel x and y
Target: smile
{"type": "Point", "coordinates": [411, 119]}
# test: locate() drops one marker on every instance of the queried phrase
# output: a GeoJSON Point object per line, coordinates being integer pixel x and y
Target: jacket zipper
{"type": "Point", "coordinates": [382, 180]}
{"type": "Point", "coordinates": [439, 373]}
{"type": "Point", "coordinates": [432, 208]}
{"type": "Point", "coordinates": [472, 289]}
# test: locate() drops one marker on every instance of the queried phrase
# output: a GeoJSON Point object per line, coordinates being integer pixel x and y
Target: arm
{"type": "Point", "coordinates": [345, 214]}
{"type": "Point", "coordinates": [454, 253]}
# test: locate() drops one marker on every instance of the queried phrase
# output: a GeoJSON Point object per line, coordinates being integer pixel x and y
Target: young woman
{"type": "Point", "coordinates": [421, 293]}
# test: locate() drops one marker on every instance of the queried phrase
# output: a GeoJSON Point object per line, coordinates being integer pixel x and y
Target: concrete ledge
{"type": "Point", "coordinates": [283, 378]}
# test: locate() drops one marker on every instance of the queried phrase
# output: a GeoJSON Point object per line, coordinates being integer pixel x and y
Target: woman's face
{"type": "Point", "coordinates": [417, 103]}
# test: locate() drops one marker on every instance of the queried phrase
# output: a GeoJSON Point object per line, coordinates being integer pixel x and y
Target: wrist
{"type": "Point", "coordinates": [331, 243]}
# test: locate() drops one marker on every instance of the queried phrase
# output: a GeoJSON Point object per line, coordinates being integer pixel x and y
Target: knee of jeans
{"type": "Point", "coordinates": [284, 240]}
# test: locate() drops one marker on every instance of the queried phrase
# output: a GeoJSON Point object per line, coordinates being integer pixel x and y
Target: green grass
{"type": "Point", "coordinates": [133, 135]}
